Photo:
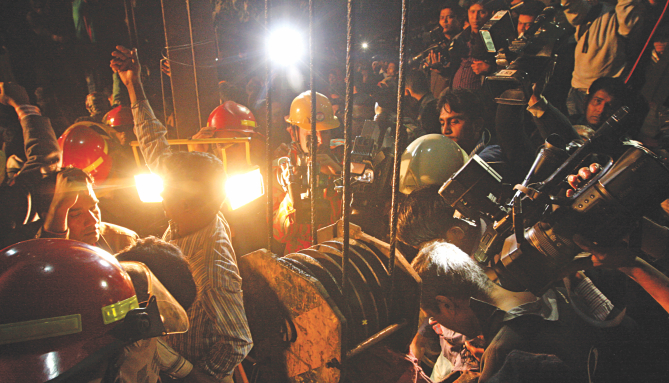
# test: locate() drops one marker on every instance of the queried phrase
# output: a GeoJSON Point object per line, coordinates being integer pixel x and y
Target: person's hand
{"type": "Point", "coordinates": [13, 94]}
{"type": "Point", "coordinates": [584, 174]}
{"type": "Point", "coordinates": [66, 193]}
{"type": "Point", "coordinates": [433, 58]}
{"type": "Point", "coordinates": [328, 165]}
{"type": "Point", "coordinates": [126, 64]}
{"type": "Point", "coordinates": [198, 376]}
{"type": "Point", "coordinates": [480, 67]}
{"type": "Point", "coordinates": [611, 257]}
{"type": "Point", "coordinates": [68, 186]}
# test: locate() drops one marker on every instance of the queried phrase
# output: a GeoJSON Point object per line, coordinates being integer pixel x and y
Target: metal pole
{"type": "Point", "coordinates": [400, 140]}
{"type": "Point", "coordinates": [268, 135]}
{"type": "Point", "coordinates": [348, 114]}
{"type": "Point", "coordinates": [314, 140]}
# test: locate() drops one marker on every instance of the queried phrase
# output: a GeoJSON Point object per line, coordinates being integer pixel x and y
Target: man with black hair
{"type": "Point", "coordinates": [603, 32]}
{"type": "Point", "coordinates": [418, 88]}
{"type": "Point", "coordinates": [604, 97]}
{"type": "Point", "coordinates": [462, 115]}
{"type": "Point", "coordinates": [451, 18]}
{"type": "Point", "coordinates": [469, 58]}
{"type": "Point", "coordinates": [527, 13]}
{"type": "Point", "coordinates": [457, 294]}
{"type": "Point", "coordinates": [219, 337]}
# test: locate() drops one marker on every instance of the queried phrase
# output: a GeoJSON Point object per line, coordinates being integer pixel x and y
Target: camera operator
{"type": "Point", "coordinates": [603, 32]}
{"type": "Point", "coordinates": [527, 13]}
{"type": "Point", "coordinates": [470, 60]}
{"type": "Point", "coordinates": [457, 294]}
{"type": "Point", "coordinates": [451, 18]}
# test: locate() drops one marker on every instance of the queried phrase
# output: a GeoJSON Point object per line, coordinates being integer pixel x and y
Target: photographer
{"type": "Point", "coordinates": [451, 18]}
{"type": "Point", "coordinates": [470, 60]}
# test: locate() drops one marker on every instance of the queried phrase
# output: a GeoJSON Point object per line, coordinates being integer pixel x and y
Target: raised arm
{"type": "Point", "coordinates": [150, 132]}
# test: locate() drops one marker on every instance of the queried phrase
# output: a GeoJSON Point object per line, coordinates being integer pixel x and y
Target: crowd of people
{"type": "Point", "coordinates": [599, 317]}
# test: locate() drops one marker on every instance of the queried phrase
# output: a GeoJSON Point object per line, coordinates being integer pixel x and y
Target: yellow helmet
{"type": "Point", "coordinates": [300, 112]}
{"type": "Point", "coordinates": [429, 160]}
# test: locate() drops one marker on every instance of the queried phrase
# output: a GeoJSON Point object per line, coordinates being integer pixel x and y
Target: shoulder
{"type": "Point", "coordinates": [118, 237]}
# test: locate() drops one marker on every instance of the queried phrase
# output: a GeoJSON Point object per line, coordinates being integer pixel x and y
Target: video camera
{"type": "Point", "coordinates": [439, 45]}
{"type": "Point", "coordinates": [525, 60]}
{"type": "Point", "coordinates": [371, 168]}
{"type": "Point", "coordinates": [530, 243]}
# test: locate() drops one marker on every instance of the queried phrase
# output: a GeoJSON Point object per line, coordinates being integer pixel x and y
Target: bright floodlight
{"type": "Point", "coordinates": [285, 46]}
{"type": "Point", "coordinates": [149, 187]}
{"type": "Point", "coordinates": [365, 45]}
{"type": "Point", "coordinates": [244, 188]}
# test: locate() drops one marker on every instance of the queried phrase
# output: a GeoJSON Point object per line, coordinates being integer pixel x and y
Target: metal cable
{"type": "Point", "coordinates": [314, 139]}
{"type": "Point", "coordinates": [268, 147]}
{"type": "Point", "coordinates": [348, 120]}
{"type": "Point", "coordinates": [400, 140]}
{"type": "Point", "coordinates": [192, 50]}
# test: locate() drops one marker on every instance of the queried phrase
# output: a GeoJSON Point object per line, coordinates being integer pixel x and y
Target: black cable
{"type": "Point", "coordinates": [400, 140]}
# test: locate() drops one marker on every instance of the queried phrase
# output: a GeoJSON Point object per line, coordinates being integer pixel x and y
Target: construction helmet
{"type": "Point", "coordinates": [86, 146]}
{"type": "Point", "coordinates": [300, 112]}
{"type": "Point", "coordinates": [67, 307]}
{"type": "Point", "coordinates": [428, 160]}
{"type": "Point", "coordinates": [232, 116]}
{"type": "Point", "coordinates": [119, 118]}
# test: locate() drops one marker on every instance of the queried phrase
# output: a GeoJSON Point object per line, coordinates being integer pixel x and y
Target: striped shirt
{"type": "Point", "coordinates": [219, 337]}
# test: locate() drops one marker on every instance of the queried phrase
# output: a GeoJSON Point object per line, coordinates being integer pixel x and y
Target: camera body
{"type": "Point", "coordinates": [439, 44]}
{"type": "Point", "coordinates": [524, 60]}
{"type": "Point", "coordinates": [530, 243]}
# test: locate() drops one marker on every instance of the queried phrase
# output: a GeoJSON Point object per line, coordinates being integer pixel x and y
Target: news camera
{"type": "Point", "coordinates": [530, 243]}
{"type": "Point", "coordinates": [371, 168]}
{"type": "Point", "coordinates": [524, 60]}
{"type": "Point", "coordinates": [439, 44]}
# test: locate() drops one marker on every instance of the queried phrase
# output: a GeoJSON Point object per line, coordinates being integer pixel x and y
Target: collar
{"type": "Point", "coordinates": [491, 318]}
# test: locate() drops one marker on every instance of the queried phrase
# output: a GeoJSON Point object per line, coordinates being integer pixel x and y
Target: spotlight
{"type": "Point", "coordinates": [285, 46]}
{"type": "Point", "coordinates": [365, 45]}
{"type": "Point", "coordinates": [149, 187]}
{"type": "Point", "coordinates": [243, 188]}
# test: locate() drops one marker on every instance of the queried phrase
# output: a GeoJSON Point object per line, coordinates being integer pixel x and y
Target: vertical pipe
{"type": "Point", "coordinates": [268, 134]}
{"type": "Point", "coordinates": [127, 24]}
{"type": "Point", "coordinates": [314, 140]}
{"type": "Point", "coordinates": [348, 114]}
{"type": "Point", "coordinates": [400, 140]}
{"type": "Point", "coordinates": [192, 51]}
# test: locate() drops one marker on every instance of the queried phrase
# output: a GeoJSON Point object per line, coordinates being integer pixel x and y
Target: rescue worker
{"type": "Point", "coordinates": [80, 315]}
{"type": "Point", "coordinates": [119, 123]}
{"type": "Point", "coordinates": [291, 219]}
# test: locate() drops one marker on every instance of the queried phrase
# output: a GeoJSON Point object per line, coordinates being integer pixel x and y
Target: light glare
{"type": "Point", "coordinates": [149, 187]}
{"type": "Point", "coordinates": [285, 46]}
{"type": "Point", "coordinates": [244, 188]}
{"type": "Point", "coordinates": [365, 45]}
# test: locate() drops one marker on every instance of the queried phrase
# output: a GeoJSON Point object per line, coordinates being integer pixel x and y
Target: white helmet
{"type": "Point", "coordinates": [428, 160]}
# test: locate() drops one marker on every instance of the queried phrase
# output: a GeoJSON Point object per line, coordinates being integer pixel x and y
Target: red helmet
{"type": "Point", "coordinates": [232, 116]}
{"type": "Point", "coordinates": [60, 300]}
{"type": "Point", "coordinates": [86, 147]}
{"type": "Point", "coordinates": [121, 116]}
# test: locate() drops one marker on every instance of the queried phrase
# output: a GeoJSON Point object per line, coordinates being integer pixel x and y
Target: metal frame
{"type": "Point", "coordinates": [229, 142]}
